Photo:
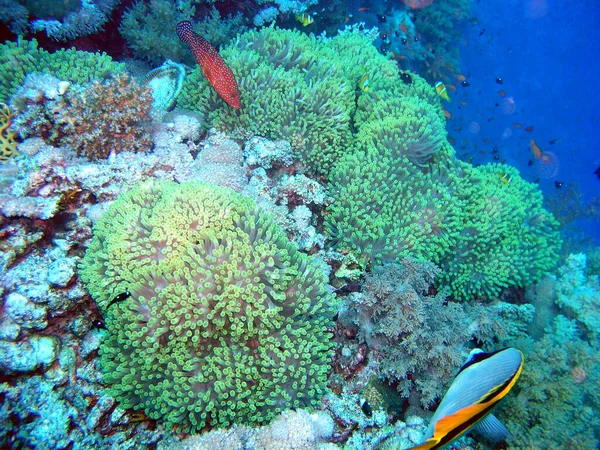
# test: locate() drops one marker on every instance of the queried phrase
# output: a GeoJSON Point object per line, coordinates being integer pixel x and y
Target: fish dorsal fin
{"type": "Point", "coordinates": [492, 428]}
{"type": "Point", "coordinates": [476, 356]}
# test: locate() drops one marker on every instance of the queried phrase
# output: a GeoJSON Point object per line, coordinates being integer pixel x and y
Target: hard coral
{"type": "Point", "coordinates": [226, 321]}
{"type": "Point", "coordinates": [109, 117]}
{"type": "Point", "coordinates": [8, 145]}
{"type": "Point", "coordinates": [99, 119]}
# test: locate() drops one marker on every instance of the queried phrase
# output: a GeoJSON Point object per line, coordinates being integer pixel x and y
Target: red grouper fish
{"type": "Point", "coordinates": [213, 66]}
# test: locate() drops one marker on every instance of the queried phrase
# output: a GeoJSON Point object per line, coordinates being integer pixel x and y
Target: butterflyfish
{"type": "Point", "coordinates": [479, 385]}
{"type": "Point", "coordinates": [305, 19]}
{"type": "Point", "coordinates": [440, 88]}
{"type": "Point", "coordinates": [364, 83]}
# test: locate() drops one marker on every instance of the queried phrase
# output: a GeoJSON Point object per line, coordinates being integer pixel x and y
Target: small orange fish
{"type": "Point", "coordinates": [529, 129]}
{"type": "Point", "coordinates": [451, 87]}
{"type": "Point", "coordinates": [463, 102]}
{"type": "Point", "coordinates": [517, 125]}
{"type": "Point", "coordinates": [447, 114]}
{"type": "Point", "coordinates": [403, 28]}
{"type": "Point", "coordinates": [535, 149]}
{"type": "Point", "coordinates": [501, 93]}
{"type": "Point", "coordinates": [460, 77]}
{"type": "Point", "coordinates": [486, 141]}
{"type": "Point", "coordinates": [364, 9]}
{"type": "Point", "coordinates": [451, 140]}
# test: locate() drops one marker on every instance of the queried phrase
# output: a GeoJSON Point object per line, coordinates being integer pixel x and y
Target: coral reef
{"type": "Point", "coordinates": [101, 119]}
{"type": "Point", "coordinates": [555, 401]}
{"type": "Point", "coordinates": [298, 430]}
{"type": "Point", "coordinates": [578, 296]}
{"type": "Point", "coordinates": [485, 234]}
{"type": "Point", "coordinates": [148, 27]}
{"type": "Point", "coordinates": [505, 239]}
{"type": "Point", "coordinates": [8, 145]}
{"type": "Point", "coordinates": [246, 342]}
{"type": "Point", "coordinates": [416, 340]}
{"type": "Point", "coordinates": [302, 90]}
{"type": "Point", "coordinates": [384, 209]}
{"type": "Point", "coordinates": [24, 57]}
{"type": "Point", "coordinates": [61, 21]}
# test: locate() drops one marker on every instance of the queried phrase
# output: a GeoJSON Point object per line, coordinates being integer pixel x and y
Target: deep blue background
{"type": "Point", "coordinates": [547, 53]}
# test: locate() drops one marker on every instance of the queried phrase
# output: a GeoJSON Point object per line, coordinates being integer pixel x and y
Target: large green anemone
{"type": "Point", "coordinates": [226, 322]}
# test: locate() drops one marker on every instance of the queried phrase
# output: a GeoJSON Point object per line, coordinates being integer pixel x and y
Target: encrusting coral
{"type": "Point", "coordinates": [8, 144]}
{"type": "Point", "coordinates": [96, 120]}
{"type": "Point", "coordinates": [213, 317]}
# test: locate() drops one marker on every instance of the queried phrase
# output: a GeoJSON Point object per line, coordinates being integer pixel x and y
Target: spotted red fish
{"type": "Point", "coordinates": [213, 66]}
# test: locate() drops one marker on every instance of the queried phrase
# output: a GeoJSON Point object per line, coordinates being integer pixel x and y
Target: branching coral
{"type": "Point", "coordinates": [97, 120]}
{"type": "Point", "coordinates": [416, 339]}
{"type": "Point", "coordinates": [226, 321]}
{"type": "Point", "coordinates": [148, 28]}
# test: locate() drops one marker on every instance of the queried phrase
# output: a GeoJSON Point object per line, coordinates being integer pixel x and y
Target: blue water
{"type": "Point", "coordinates": [547, 54]}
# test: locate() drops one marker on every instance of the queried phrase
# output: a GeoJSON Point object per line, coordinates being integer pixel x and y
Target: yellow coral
{"type": "Point", "coordinates": [8, 145]}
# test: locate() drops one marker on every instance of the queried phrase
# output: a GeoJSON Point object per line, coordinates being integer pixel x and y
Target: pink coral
{"type": "Point", "coordinates": [417, 4]}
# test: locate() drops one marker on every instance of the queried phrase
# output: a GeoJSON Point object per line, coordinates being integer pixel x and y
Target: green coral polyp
{"type": "Point", "coordinates": [230, 326]}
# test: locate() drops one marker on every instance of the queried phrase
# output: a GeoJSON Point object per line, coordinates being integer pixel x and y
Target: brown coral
{"type": "Point", "coordinates": [8, 145]}
{"type": "Point", "coordinates": [109, 117]}
{"type": "Point", "coordinates": [96, 119]}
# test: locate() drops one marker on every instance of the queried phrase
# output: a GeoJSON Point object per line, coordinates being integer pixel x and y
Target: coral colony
{"type": "Point", "coordinates": [275, 248]}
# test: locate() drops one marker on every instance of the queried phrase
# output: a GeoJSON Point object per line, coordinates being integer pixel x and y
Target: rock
{"type": "Point", "coordinates": [25, 312]}
{"type": "Point", "coordinates": [28, 355]}
{"type": "Point", "coordinates": [9, 329]}
{"type": "Point", "coordinates": [61, 272]}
